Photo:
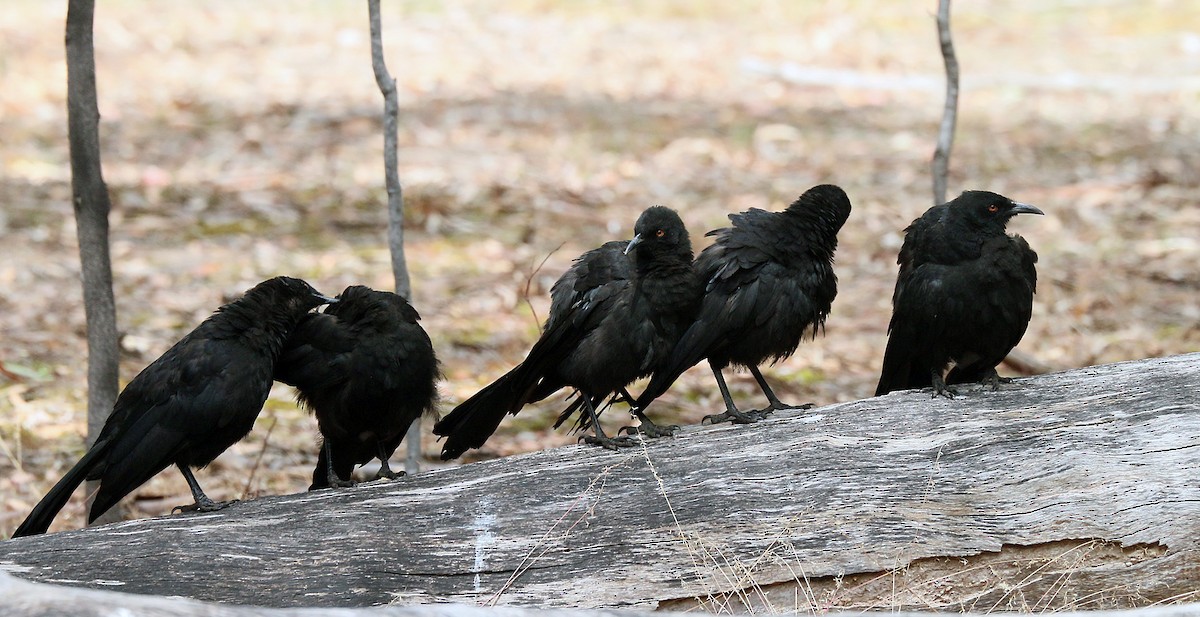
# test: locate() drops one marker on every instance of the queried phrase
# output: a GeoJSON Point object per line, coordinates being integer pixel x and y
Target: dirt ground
{"type": "Point", "coordinates": [243, 141]}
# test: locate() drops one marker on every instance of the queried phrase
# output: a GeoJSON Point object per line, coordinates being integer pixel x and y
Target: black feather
{"type": "Point", "coordinates": [964, 294]}
{"type": "Point", "coordinates": [613, 318]}
{"type": "Point", "coordinates": [769, 282]}
{"type": "Point", "coordinates": [189, 405]}
{"type": "Point", "coordinates": [367, 370]}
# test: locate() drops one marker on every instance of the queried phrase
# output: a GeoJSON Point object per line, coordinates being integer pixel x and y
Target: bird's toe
{"type": "Point", "coordinates": [204, 505]}
{"type": "Point", "coordinates": [609, 443]}
{"type": "Point", "coordinates": [732, 415]}
{"type": "Point", "coordinates": [650, 430]}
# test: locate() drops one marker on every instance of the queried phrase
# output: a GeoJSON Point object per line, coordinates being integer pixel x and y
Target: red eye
{"type": "Point", "coordinates": [660, 233]}
{"type": "Point", "coordinates": [993, 208]}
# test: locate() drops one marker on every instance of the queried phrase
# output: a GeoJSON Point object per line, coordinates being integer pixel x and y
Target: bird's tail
{"type": "Point", "coordinates": [901, 370]}
{"type": "Point", "coordinates": [474, 420]}
{"type": "Point", "coordinates": [690, 349]}
{"type": "Point", "coordinates": [44, 512]}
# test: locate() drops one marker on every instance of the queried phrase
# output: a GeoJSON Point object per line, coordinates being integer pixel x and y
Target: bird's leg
{"type": "Point", "coordinates": [646, 426]}
{"type": "Point", "coordinates": [775, 403]}
{"type": "Point", "coordinates": [731, 411]}
{"type": "Point", "coordinates": [600, 439]}
{"type": "Point", "coordinates": [939, 385]}
{"type": "Point", "coordinates": [331, 475]}
{"type": "Point", "coordinates": [203, 503]}
{"type": "Point", "coordinates": [385, 470]}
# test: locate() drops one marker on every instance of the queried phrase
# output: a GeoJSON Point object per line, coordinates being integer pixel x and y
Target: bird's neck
{"type": "Point", "coordinates": [819, 234]}
{"type": "Point", "coordinates": [254, 327]}
{"type": "Point", "coordinates": [670, 285]}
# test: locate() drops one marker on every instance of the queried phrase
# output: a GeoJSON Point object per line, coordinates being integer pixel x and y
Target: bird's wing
{"type": "Point", "coordinates": [590, 271]}
{"type": "Point", "coordinates": [910, 328]}
{"type": "Point", "coordinates": [745, 287]}
{"type": "Point", "coordinates": [317, 354]}
{"type": "Point", "coordinates": [579, 301]}
{"type": "Point", "coordinates": [395, 359]}
{"type": "Point", "coordinates": [198, 390]}
{"type": "Point", "coordinates": [935, 306]}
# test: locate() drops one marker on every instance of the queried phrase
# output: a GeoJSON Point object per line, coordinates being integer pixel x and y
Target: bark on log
{"type": "Point", "coordinates": [1075, 490]}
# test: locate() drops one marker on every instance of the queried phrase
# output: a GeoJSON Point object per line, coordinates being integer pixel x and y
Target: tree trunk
{"type": "Point", "coordinates": [1074, 490]}
{"type": "Point", "coordinates": [395, 192]}
{"type": "Point", "coordinates": [91, 201]}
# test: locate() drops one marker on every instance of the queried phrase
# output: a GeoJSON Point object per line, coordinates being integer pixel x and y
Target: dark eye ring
{"type": "Point", "coordinates": [993, 208]}
{"type": "Point", "coordinates": [660, 233]}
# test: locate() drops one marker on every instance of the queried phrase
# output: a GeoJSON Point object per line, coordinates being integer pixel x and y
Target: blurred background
{"type": "Point", "coordinates": [243, 140]}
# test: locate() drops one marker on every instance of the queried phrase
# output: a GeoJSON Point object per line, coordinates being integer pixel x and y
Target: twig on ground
{"type": "Point", "coordinates": [258, 460]}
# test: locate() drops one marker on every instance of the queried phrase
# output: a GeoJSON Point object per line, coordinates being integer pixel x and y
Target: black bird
{"type": "Point", "coordinates": [189, 405]}
{"type": "Point", "coordinates": [614, 316]}
{"type": "Point", "coordinates": [769, 283]}
{"type": "Point", "coordinates": [367, 370]}
{"type": "Point", "coordinates": [964, 295]}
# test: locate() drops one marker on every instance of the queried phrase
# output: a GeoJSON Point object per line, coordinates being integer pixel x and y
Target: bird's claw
{"type": "Point", "coordinates": [735, 416]}
{"type": "Point", "coordinates": [390, 475]}
{"type": "Point", "coordinates": [994, 380]}
{"type": "Point", "coordinates": [945, 391]}
{"type": "Point", "coordinates": [609, 443]}
{"type": "Point", "coordinates": [204, 505]}
{"type": "Point", "coordinates": [650, 429]}
{"type": "Point", "coordinates": [779, 406]}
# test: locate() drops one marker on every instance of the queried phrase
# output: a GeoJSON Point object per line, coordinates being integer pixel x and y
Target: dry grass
{"type": "Point", "coordinates": [242, 142]}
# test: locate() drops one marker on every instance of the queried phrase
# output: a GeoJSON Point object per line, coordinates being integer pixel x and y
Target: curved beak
{"type": "Point", "coordinates": [637, 239]}
{"type": "Point", "coordinates": [1020, 208]}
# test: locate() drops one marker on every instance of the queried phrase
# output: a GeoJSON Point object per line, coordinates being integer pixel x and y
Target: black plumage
{"type": "Point", "coordinates": [367, 370]}
{"type": "Point", "coordinates": [964, 295]}
{"type": "Point", "coordinates": [614, 317]}
{"type": "Point", "coordinates": [189, 405]}
{"type": "Point", "coordinates": [769, 282]}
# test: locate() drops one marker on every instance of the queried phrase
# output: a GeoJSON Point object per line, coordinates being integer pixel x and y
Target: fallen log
{"type": "Point", "coordinates": [1074, 490]}
{"type": "Point", "coordinates": [19, 598]}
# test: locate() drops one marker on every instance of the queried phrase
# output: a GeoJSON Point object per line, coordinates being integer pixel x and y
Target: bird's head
{"type": "Point", "coordinates": [990, 210]}
{"type": "Point", "coordinates": [827, 205]}
{"type": "Point", "coordinates": [294, 292]}
{"type": "Point", "coordinates": [360, 303]}
{"type": "Point", "coordinates": [659, 230]}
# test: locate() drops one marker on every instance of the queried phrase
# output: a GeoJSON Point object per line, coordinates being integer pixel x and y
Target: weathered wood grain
{"type": "Point", "coordinates": [24, 599]}
{"type": "Point", "coordinates": [1078, 489]}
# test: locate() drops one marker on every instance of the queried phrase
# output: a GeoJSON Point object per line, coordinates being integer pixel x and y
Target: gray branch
{"type": "Point", "coordinates": [92, 205]}
{"type": "Point", "coordinates": [1067, 491]}
{"type": "Point", "coordinates": [391, 109]}
{"type": "Point", "coordinates": [941, 155]}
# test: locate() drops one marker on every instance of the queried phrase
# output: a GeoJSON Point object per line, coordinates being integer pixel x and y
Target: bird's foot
{"type": "Point", "coordinates": [204, 505]}
{"type": "Point", "coordinates": [609, 443]}
{"type": "Point", "coordinates": [994, 380]}
{"type": "Point", "coordinates": [389, 474]}
{"type": "Point", "coordinates": [336, 482]}
{"type": "Point", "coordinates": [650, 429]}
{"type": "Point", "coordinates": [736, 417]}
{"type": "Point", "coordinates": [941, 389]}
{"type": "Point", "coordinates": [944, 390]}
{"type": "Point", "coordinates": [385, 470]}
{"type": "Point", "coordinates": [778, 406]}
